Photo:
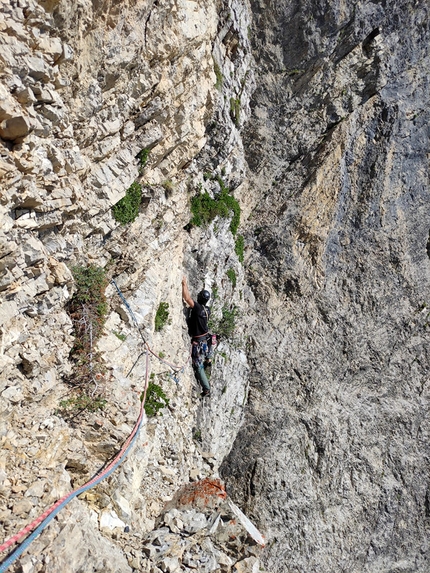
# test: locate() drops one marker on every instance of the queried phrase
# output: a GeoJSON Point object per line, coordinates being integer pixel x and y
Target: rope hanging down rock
{"type": "Point", "coordinates": [40, 523]}
{"type": "Point", "coordinates": [174, 367]}
{"type": "Point", "coordinates": [43, 520]}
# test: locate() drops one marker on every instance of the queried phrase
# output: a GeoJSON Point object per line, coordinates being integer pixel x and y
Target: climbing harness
{"type": "Point", "coordinates": [40, 523]}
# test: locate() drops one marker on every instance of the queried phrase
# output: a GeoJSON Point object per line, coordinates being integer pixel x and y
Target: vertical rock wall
{"type": "Point", "coordinates": [86, 86]}
{"type": "Point", "coordinates": [328, 158]}
{"type": "Point", "coordinates": [334, 453]}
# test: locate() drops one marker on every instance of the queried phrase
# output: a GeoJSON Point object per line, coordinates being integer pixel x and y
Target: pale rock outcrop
{"type": "Point", "coordinates": [85, 88]}
{"type": "Point", "coordinates": [327, 367]}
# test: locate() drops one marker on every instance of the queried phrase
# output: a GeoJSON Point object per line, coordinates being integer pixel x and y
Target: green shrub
{"type": "Point", "coordinates": [226, 325]}
{"type": "Point", "coordinates": [239, 247]}
{"type": "Point", "coordinates": [121, 337]}
{"type": "Point", "coordinates": [88, 306]}
{"type": "Point", "coordinates": [155, 399]}
{"type": "Point", "coordinates": [232, 276]}
{"type": "Point", "coordinates": [127, 209]}
{"type": "Point", "coordinates": [90, 284]}
{"type": "Point", "coordinates": [232, 205]}
{"type": "Point", "coordinates": [235, 110]}
{"type": "Point", "coordinates": [87, 309]}
{"type": "Point", "coordinates": [204, 209]}
{"type": "Point", "coordinates": [143, 156]}
{"type": "Point", "coordinates": [162, 316]}
{"type": "Point", "coordinates": [219, 76]}
{"type": "Point", "coordinates": [82, 402]}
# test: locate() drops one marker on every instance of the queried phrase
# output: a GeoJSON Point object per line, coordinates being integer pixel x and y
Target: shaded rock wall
{"type": "Point", "coordinates": [333, 455]}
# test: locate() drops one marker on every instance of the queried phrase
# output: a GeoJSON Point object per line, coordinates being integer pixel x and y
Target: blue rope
{"type": "Point", "coordinates": [18, 551]}
{"type": "Point", "coordinates": [174, 378]}
{"type": "Point", "coordinates": [177, 370]}
{"type": "Point", "coordinates": [23, 546]}
{"type": "Point", "coordinates": [124, 300]}
{"type": "Point", "coordinates": [126, 304]}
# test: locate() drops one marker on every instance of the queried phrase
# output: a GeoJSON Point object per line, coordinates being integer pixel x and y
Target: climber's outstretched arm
{"type": "Point", "coordinates": [186, 293]}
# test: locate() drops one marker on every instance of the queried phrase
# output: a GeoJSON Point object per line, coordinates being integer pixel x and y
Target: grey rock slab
{"type": "Point", "coordinates": [22, 507]}
{"type": "Point", "coordinates": [37, 489]}
{"type": "Point", "coordinates": [110, 520]}
{"type": "Point", "coordinates": [248, 565]}
{"type": "Point", "coordinates": [338, 289]}
{"type": "Point", "coordinates": [193, 521]}
{"type": "Point", "coordinates": [6, 279]}
{"type": "Point", "coordinates": [33, 251]}
{"type": "Point", "coordinates": [13, 393]}
{"type": "Point", "coordinates": [51, 46]}
{"type": "Point", "coordinates": [169, 564]}
{"type": "Point", "coordinates": [37, 68]}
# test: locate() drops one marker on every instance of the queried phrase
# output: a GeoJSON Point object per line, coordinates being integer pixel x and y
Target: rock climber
{"type": "Point", "coordinates": [201, 352]}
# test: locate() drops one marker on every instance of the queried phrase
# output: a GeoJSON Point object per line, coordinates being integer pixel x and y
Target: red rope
{"type": "Point", "coordinates": [28, 528]}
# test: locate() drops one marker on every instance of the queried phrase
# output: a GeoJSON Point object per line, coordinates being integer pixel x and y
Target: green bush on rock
{"type": "Point", "coordinates": [88, 306]}
{"type": "Point", "coordinates": [162, 316]}
{"type": "Point", "coordinates": [204, 209]}
{"type": "Point", "coordinates": [239, 247]}
{"type": "Point", "coordinates": [235, 110]}
{"type": "Point", "coordinates": [226, 325]}
{"type": "Point", "coordinates": [232, 276]}
{"type": "Point", "coordinates": [87, 309]}
{"type": "Point", "coordinates": [127, 208]}
{"type": "Point", "coordinates": [81, 402]}
{"type": "Point", "coordinates": [155, 400]}
{"type": "Point", "coordinates": [218, 75]}
{"type": "Point", "coordinates": [143, 157]}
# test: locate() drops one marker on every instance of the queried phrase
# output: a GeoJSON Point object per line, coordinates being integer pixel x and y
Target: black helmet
{"type": "Point", "coordinates": [203, 297]}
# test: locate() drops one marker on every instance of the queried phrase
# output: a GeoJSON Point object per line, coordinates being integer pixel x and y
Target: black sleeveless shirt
{"type": "Point", "coordinates": [198, 320]}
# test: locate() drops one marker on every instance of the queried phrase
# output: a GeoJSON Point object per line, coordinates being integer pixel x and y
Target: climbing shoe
{"type": "Point", "coordinates": [205, 393]}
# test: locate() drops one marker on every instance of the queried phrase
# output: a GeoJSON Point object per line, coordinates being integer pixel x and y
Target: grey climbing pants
{"type": "Point", "coordinates": [200, 353]}
{"type": "Point", "coordinates": [202, 378]}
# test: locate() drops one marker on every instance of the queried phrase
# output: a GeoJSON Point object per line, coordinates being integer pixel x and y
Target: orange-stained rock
{"type": "Point", "coordinates": [205, 493]}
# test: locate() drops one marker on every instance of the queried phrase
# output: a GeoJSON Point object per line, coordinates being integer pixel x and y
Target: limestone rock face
{"type": "Point", "coordinates": [333, 454]}
{"type": "Point", "coordinates": [313, 116]}
{"type": "Point", "coordinates": [94, 97]}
